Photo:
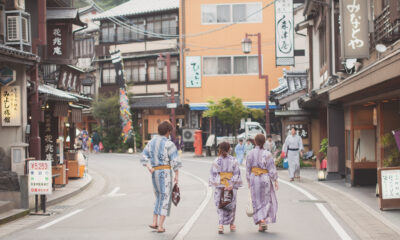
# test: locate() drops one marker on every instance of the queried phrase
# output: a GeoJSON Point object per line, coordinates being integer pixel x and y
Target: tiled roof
{"type": "Point", "coordinates": [13, 52]}
{"type": "Point", "coordinates": [135, 7]}
{"type": "Point", "coordinates": [64, 14]}
{"type": "Point", "coordinates": [153, 102]}
{"type": "Point", "coordinates": [56, 94]}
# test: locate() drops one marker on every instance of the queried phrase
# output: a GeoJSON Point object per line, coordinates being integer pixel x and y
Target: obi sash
{"type": "Point", "coordinates": [225, 176]}
{"type": "Point", "coordinates": [258, 171]}
{"type": "Point", "coordinates": [162, 167]}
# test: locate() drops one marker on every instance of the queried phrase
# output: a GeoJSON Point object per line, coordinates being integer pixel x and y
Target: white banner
{"type": "Point", "coordinates": [284, 33]}
{"type": "Point", "coordinates": [10, 106]}
{"type": "Point", "coordinates": [193, 72]}
{"type": "Point", "coordinates": [40, 177]}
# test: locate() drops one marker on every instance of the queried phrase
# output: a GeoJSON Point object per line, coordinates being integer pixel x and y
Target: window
{"type": "Point", "coordinates": [322, 46]}
{"type": "Point", "coordinates": [12, 28]}
{"type": "Point", "coordinates": [107, 32]}
{"type": "Point", "coordinates": [84, 47]}
{"type": "Point", "coordinates": [108, 74]}
{"type": "Point", "coordinates": [223, 65]}
{"type": "Point", "coordinates": [227, 13]}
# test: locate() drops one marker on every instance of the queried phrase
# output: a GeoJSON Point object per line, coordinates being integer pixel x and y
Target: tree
{"type": "Point", "coordinates": [228, 110]}
{"type": "Point", "coordinates": [106, 111]}
{"type": "Point", "coordinates": [257, 114]}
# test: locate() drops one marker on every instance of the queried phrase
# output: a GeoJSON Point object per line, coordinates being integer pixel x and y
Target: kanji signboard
{"type": "Point", "coordinates": [354, 27]}
{"type": "Point", "coordinates": [10, 106]}
{"type": "Point", "coordinates": [193, 72]}
{"type": "Point", "coordinates": [49, 135]}
{"type": "Point", "coordinates": [40, 177]}
{"type": "Point", "coordinates": [284, 33]}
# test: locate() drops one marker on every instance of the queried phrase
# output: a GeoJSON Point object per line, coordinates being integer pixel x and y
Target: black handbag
{"type": "Point", "coordinates": [176, 195]}
{"type": "Point", "coordinates": [225, 199]}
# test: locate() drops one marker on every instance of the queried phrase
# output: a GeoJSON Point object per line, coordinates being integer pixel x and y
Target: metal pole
{"type": "Point", "coordinates": [173, 117]}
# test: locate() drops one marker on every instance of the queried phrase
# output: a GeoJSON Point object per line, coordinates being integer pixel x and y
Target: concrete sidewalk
{"type": "Point", "coordinates": [357, 206]}
{"type": "Point", "coordinates": [74, 187]}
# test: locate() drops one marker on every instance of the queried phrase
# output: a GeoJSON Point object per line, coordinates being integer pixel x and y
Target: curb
{"type": "Point", "coordinates": [71, 194]}
{"type": "Point", "coordinates": [14, 217]}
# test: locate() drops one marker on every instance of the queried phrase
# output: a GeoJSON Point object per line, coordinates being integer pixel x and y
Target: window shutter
{"type": "Point", "coordinates": [12, 28]}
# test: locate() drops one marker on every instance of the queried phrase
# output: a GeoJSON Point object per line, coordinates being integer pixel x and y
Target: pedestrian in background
{"type": "Point", "coordinates": [261, 176]}
{"type": "Point", "coordinates": [225, 176]}
{"type": "Point", "coordinates": [84, 136]}
{"type": "Point", "coordinates": [96, 141]}
{"type": "Point", "coordinates": [160, 156]}
{"type": "Point", "coordinates": [270, 144]}
{"type": "Point", "coordinates": [248, 147]}
{"type": "Point", "coordinates": [293, 147]}
{"type": "Point", "coordinates": [239, 150]}
{"type": "Point", "coordinates": [179, 143]}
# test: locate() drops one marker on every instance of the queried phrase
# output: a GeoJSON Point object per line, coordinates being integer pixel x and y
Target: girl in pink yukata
{"type": "Point", "coordinates": [261, 176]}
{"type": "Point", "coordinates": [225, 174]}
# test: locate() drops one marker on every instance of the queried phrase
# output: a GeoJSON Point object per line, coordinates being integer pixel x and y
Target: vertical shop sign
{"type": "Point", "coordinates": [40, 177]}
{"type": "Point", "coordinates": [193, 72]}
{"type": "Point", "coordinates": [10, 106]}
{"type": "Point", "coordinates": [354, 27]}
{"type": "Point", "coordinates": [284, 33]}
{"type": "Point", "coordinates": [49, 136]}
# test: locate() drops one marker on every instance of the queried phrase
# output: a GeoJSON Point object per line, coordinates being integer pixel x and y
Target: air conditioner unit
{"type": "Point", "coordinates": [17, 30]}
{"type": "Point", "coordinates": [188, 135]}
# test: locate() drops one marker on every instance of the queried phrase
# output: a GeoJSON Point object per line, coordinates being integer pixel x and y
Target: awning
{"type": "Point", "coordinates": [56, 94]}
{"type": "Point", "coordinates": [257, 105]}
{"type": "Point", "coordinates": [153, 102]}
{"type": "Point", "coordinates": [64, 13]}
{"type": "Point", "coordinates": [80, 97]}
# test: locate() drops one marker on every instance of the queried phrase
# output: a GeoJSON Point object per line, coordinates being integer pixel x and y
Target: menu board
{"type": "Point", "coordinates": [40, 177]}
{"type": "Point", "coordinates": [390, 180]}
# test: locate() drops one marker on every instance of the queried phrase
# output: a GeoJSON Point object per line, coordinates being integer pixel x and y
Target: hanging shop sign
{"type": "Point", "coordinates": [49, 135]}
{"type": "Point", "coordinates": [284, 33]}
{"type": "Point", "coordinates": [193, 72]}
{"type": "Point", "coordinates": [10, 106]}
{"type": "Point", "coordinates": [59, 39]}
{"type": "Point", "coordinates": [354, 27]}
{"type": "Point", "coordinates": [7, 76]}
{"type": "Point", "coordinates": [40, 177]}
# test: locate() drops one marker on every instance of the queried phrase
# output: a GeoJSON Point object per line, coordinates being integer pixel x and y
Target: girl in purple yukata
{"type": "Point", "coordinates": [225, 174]}
{"type": "Point", "coordinates": [261, 174]}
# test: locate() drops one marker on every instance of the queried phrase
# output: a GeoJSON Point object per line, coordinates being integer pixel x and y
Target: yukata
{"type": "Point", "coordinates": [260, 174]}
{"type": "Point", "coordinates": [85, 139]}
{"type": "Point", "coordinates": [270, 146]}
{"type": "Point", "coordinates": [225, 172]}
{"type": "Point", "coordinates": [240, 150]}
{"type": "Point", "coordinates": [162, 155]}
{"type": "Point", "coordinates": [292, 147]}
{"type": "Point", "coordinates": [247, 148]}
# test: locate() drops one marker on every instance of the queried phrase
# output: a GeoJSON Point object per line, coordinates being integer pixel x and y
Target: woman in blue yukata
{"type": "Point", "coordinates": [160, 156]}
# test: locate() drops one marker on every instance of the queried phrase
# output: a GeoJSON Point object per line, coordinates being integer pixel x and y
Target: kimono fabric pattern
{"type": "Point", "coordinates": [260, 174]}
{"type": "Point", "coordinates": [225, 171]}
{"type": "Point", "coordinates": [162, 154]}
{"type": "Point", "coordinates": [293, 145]}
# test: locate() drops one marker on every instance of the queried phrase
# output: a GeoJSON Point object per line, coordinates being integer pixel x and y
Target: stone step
{"type": "Point", "coordinates": [12, 215]}
{"type": "Point", "coordinates": [5, 206]}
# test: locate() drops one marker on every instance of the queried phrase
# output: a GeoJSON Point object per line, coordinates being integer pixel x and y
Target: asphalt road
{"type": "Point", "coordinates": [118, 205]}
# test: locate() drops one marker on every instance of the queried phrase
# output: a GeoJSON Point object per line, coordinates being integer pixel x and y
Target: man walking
{"type": "Point", "coordinates": [293, 147]}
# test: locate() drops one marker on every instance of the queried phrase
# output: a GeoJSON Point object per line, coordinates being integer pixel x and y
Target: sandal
{"type": "Point", "coordinates": [264, 226]}
{"type": "Point", "coordinates": [292, 179]}
{"type": "Point", "coordinates": [221, 230]}
{"type": "Point", "coordinates": [161, 230]}
{"type": "Point", "coordinates": [153, 227]}
{"type": "Point", "coordinates": [233, 228]}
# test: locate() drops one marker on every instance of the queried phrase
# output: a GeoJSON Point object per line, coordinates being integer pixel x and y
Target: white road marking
{"type": "Point", "coordinates": [60, 219]}
{"type": "Point", "coordinates": [335, 225]}
{"type": "Point", "coordinates": [189, 224]}
{"type": "Point", "coordinates": [114, 193]}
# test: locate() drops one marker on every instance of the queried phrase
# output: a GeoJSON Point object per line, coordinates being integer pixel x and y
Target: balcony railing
{"type": "Point", "coordinates": [387, 25]}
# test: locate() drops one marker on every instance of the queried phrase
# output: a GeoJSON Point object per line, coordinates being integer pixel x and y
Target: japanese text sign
{"type": "Point", "coordinates": [10, 106]}
{"type": "Point", "coordinates": [354, 27]}
{"type": "Point", "coordinates": [193, 72]}
{"type": "Point", "coordinates": [390, 180]}
{"type": "Point", "coordinates": [40, 177]}
{"type": "Point", "coordinates": [49, 136]}
{"type": "Point", "coordinates": [284, 33]}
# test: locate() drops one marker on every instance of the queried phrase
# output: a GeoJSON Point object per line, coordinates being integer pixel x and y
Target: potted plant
{"type": "Point", "coordinates": [322, 159]}
{"type": "Point", "coordinates": [392, 154]}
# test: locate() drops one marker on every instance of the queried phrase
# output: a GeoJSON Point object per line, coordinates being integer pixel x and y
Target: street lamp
{"type": "Point", "coordinates": [246, 47]}
{"type": "Point", "coordinates": [160, 65]}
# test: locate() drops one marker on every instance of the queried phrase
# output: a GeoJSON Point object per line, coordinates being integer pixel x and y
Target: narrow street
{"type": "Point", "coordinates": [118, 205]}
